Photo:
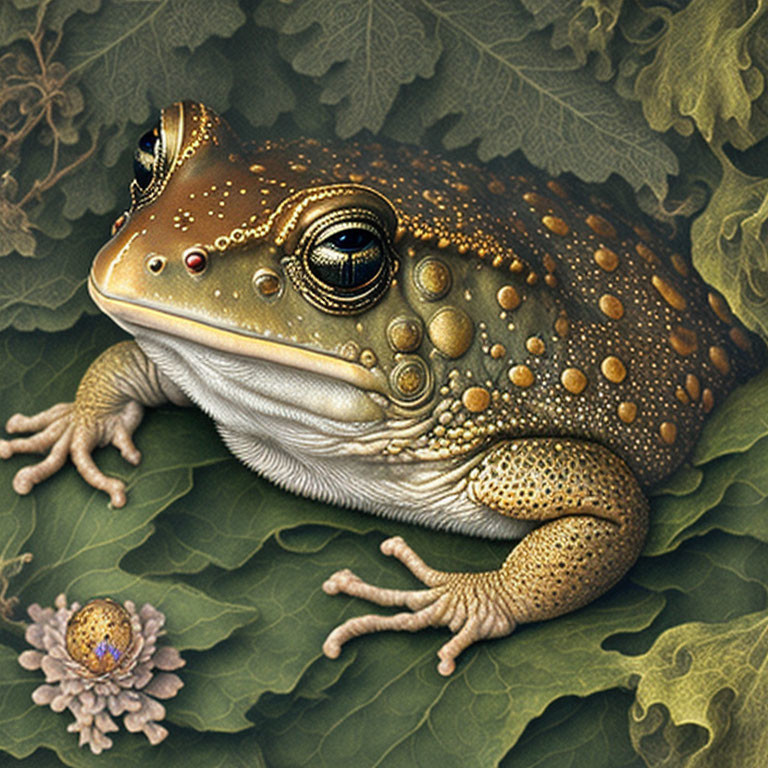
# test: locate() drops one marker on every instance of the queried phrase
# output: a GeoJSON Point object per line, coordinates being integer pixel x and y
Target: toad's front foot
{"type": "Point", "coordinates": [107, 409]}
{"type": "Point", "coordinates": [475, 606]}
{"type": "Point", "coordinates": [65, 431]}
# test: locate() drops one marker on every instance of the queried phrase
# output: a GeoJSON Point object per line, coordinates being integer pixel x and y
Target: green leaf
{"type": "Point", "coordinates": [158, 49]}
{"type": "Point", "coordinates": [715, 578]}
{"type": "Point", "coordinates": [547, 12]}
{"type": "Point", "coordinates": [731, 457]}
{"type": "Point", "coordinates": [684, 481]}
{"type": "Point", "coordinates": [672, 517]}
{"type": "Point", "coordinates": [727, 245]}
{"type": "Point", "coordinates": [392, 708]}
{"type": "Point", "coordinates": [273, 92]}
{"type": "Point", "coordinates": [578, 733]}
{"type": "Point", "coordinates": [379, 44]}
{"type": "Point", "coordinates": [585, 27]}
{"type": "Point", "coordinates": [708, 675]}
{"type": "Point", "coordinates": [15, 23]}
{"type": "Point", "coordinates": [513, 92]}
{"type": "Point", "coordinates": [49, 292]}
{"type": "Point", "coordinates": [96, 186]}
{"type": "Point", "coordinates": [702, 73]}
{"type": "Point", "coordinates": [249, 510]}
{"type": "Point", "coordinates": [737, 424]}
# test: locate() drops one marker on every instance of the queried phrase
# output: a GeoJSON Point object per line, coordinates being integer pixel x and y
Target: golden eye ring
{"type": "Point", "coordinates": [343, 263]}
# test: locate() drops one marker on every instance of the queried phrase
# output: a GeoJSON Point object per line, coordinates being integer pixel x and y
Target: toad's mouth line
{"type": "Point", "coordinates": [239, 343]}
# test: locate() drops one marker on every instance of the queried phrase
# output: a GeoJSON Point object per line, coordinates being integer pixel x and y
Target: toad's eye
{"type": "Point", "coordinates": [347, 257]}
{"type": "Point", "coordinates": [145, 156]}
{"type": "Point", "coordinates": [351, 240]}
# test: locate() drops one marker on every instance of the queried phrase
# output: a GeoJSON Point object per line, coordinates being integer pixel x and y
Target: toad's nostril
{"type": "Point", "coordinates": [155, 263]}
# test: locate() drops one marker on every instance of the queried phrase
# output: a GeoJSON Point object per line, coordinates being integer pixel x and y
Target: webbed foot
{"type": "Point", "coordinates": [65, 431]}
{"type": "Point", "coordinates": [107, 409]}
{"type": "Point", "coordinates": [474, 606]}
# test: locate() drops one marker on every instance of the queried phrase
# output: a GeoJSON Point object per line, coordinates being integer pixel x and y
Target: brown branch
{"type": "Point", "coordinates": [52, 180]}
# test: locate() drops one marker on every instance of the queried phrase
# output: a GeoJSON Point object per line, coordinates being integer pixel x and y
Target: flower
{"type": "Point", "coordinates": [100, 661]}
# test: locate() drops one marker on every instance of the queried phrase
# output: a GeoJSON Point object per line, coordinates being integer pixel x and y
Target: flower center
{"type": "Point", "coordinates": [98, 635]}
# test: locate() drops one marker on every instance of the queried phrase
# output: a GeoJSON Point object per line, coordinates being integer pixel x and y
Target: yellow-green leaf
{"type": "Point", "coordinates": [703, 75]}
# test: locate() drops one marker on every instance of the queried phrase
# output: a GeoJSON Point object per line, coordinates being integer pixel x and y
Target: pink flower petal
{"type": "Point", "coordinates": [99, 742]}
{"type": "Point", "coordinates": [30, 659]}
{"type": "Point", "coordinates": [61, 601]}
{"type": "Point", "coordinates": [54, 670]}
{"type": "Point", "coordinates": [164, 686]}
{"type": "Point", "coordinates": [126, 701]}
{"type": "Point", "coordinates": [56, 649]}
{"type": "Point", "coordinates": [105, 723]}
{"type": "Point", "coordinates": [45, 694]}
{"type": "Point", "coordinates": [60, 703]}
{"type": "Point", "coordinates": [148, 612]}
{"type": "Point", "coordinates": [35, 635]}
{"type": "Point", "coordinates": [91, 703]}
{"type": "Point", "coordinates": [154, 732]}
{"type": "Point", "coordinates": [141, 676]}
{"type": "Point", "coordinates": [168, 658]}
{"type": "Point", "coordinates": [150, 710]}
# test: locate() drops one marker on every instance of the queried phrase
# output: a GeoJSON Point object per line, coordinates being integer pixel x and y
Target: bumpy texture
{"type": "Point", "coordinates": [538, 309]}
{"type": "Point", "coordinates": [130, 688]}
{"type": "Point", "coordinates": [595, 520]}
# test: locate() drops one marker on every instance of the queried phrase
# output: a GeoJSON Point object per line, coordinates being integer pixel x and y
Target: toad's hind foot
{"type": "Point", "coordinates": [472, 605]}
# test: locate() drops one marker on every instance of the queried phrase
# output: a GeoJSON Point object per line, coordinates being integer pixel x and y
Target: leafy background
{"type": "Point", "coordinates": [663, 105]}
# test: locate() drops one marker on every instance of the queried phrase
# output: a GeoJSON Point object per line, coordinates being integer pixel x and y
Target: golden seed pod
{"type": "Point", "coordinates": [99, 635]}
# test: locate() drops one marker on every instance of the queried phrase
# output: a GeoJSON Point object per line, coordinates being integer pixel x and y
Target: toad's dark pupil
{"type": "Point", "coordinates": [348, 259]}
{"type": "Point", "coordinates": [147, 142]}
{"type": "Point", "coordinates": [144, 158]}
{"type": "Point", "coordinates": [351, 240]}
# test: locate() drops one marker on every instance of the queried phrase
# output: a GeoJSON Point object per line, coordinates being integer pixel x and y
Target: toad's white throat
{"type": "Point", "coordinates": [297, 429]}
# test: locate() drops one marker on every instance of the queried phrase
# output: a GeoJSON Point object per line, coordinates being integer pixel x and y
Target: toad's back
{"type": "Point", "coordinates": [551, 313]}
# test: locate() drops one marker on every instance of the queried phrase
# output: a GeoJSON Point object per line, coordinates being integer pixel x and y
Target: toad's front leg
{"type": "Point", "coordinates": [594, 519]}
{"type": "Point", "coordinates": [108, 407]}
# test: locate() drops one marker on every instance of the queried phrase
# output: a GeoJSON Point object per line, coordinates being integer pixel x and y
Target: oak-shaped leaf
{"type": "Point", "coordinates": [364, 51]}
{"type": "Point", "coordinates": [704, 677]}
{"type": "Point", "coordinates": [511, 91]}
{"type": "Point", "coordinates": [728, 245]}
{"type": "Point", "coordinates": [131, 55]}
{"type": "Point", "coordinates": [703, 75]}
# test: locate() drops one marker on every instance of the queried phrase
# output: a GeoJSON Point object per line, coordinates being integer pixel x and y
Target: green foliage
{"type": "Point", "coordinates": [702, 73]}
{"type": "Point", "coordinates": [713, 677]}
{"type": "Point", "coordinates": [634, 91]}
{"type": "Point", "coordinates": [729, 244]}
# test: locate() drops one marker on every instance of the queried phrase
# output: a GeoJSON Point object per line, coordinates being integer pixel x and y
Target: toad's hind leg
{"type": "Point", "coordinates": [594, 520]}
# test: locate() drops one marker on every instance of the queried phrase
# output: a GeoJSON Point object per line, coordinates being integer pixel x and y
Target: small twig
{"type": "Point", "coordinates": [36, 95]}
{"type": "Point", "coordinates": [50, 181]}
{"type": "Point", "coordinates": [9, 569]}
